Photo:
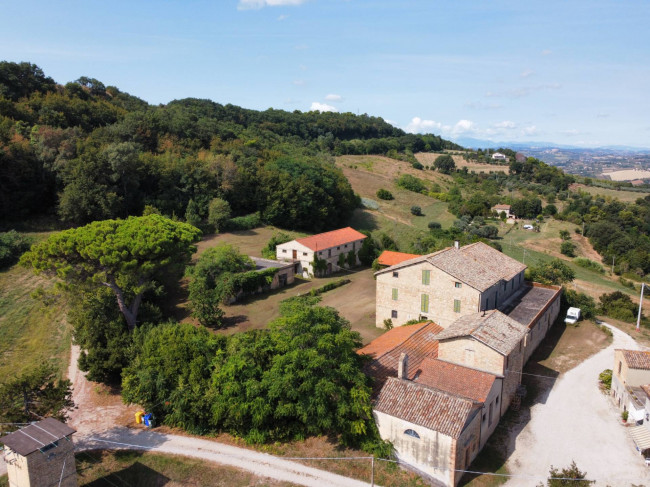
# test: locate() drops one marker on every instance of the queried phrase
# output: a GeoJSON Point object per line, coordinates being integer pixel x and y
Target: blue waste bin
{"type": "Point", "coordinates": [147, 420]}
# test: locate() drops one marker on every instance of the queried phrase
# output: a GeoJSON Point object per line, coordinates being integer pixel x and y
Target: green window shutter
{"type": "Point", "coordinates": [457, 305]}
{"type": "Point", "coordinates": [394, 294]}
{"type": "Point", "coordinates": [424, 303]}
{"type": "Point", "coordinates": [426, 276]}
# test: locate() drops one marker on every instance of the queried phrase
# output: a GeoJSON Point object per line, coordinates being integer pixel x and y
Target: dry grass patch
{"type": "Point", "coordinates": [100, 468]}
{"type": "Point", "coordinates": [628, 196]}
{"type": "Point", "coordinates": [31, 332]}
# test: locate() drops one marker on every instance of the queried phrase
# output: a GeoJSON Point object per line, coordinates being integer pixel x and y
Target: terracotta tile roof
{"type": "Point", "coordinates": [646, 389]}
{"type": "Point", "coordinates": [389, 257]}
{"type": "Point", "coordinates": [478, 265]}
{"type": "Point", "coordinates": [637, 359]}
{"type": "Point", "coordinates": [417, 341]}
{"type": "Point", "coordinates": [425, 407]}
{"type": "Point", "coordinates": [493, 328]}
{"type": "Point", "coordinates": [331, 239]}
{"type": "Point", "coordinates": [455, 379]}
{"type": "Point", "coordinates": [501, 207]}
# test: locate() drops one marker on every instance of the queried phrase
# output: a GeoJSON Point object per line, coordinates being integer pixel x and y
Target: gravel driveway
{"type": "Point", "coordinates": [577, 422]}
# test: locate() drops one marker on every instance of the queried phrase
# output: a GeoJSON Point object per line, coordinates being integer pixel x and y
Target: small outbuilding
{"type": "Point", "coordinates": [285, 274]}
{"type": "Point", "coordinates": [41, 454]}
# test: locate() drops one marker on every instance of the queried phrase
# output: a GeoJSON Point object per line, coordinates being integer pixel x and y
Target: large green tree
{"type": "Point", "coordinates": [127, 256]}
{"type": "Point", "coordinates": [34, 394]}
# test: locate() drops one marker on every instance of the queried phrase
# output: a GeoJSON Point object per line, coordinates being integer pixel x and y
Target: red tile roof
{"type": "Point", "coordinates": [389, 257]}
{"type": "Point", "coordinates": [637, 359]}
{"type": "Point", "coordinates": [331, 239]}
{"type": "Point", "coordinates": [425, 407]}
{"type": "Point", "coordinates": [417, 341]}
{"type": "Point", "coordinates": [455, 379]}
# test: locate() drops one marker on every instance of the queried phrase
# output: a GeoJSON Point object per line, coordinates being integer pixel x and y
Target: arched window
{"type": "Point", "coordinates": [412, 433]}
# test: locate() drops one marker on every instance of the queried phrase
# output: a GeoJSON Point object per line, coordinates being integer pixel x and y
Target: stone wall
{"type": "Point", "coordinates": [442, 292]}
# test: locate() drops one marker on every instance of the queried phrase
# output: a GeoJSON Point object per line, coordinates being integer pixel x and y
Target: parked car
{"type": "Point", "coordinates": [528, 227]}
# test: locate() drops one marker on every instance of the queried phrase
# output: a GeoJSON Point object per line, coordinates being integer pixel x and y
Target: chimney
{"type": "Point", "coordinates": [402, 366]}
{"type": "Point", "coordinates": [456, 244]}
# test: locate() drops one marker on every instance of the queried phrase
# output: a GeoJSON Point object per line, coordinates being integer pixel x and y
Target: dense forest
{"type": "Point", "coordinates": [83, 151]}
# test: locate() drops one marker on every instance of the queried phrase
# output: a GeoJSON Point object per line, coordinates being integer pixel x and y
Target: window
{"type": "Point", "coordinates": [304, 253]}
{"type": "Point", "coordinates": [458, 285]}
{"type": "Point", "coordinates": [346, 246]}
{"type": "Point", "coordinates": [490, 415]}
{"type": "Point", "coordinates": [284, 251]}
{"type": "Point", "coordinates": [338, 248]}
{"type": "Point", "coordinates": [426, 276]}
{"type": "Point", "coordinates": [424, 303]}
{"type": "Point", "coordinates": [484, 417]}
{"type": "Point", "coordinates": [329, 252]}
{"type": "Point", "coordinates": [456, 305]}
{"type": "Point", "coordinates": [620, 364]}
{"type": "Point", "coordinates": [497, 399]}
{"type": "Point", "coordinates": [320, 253]}
{"type": "Point", "coordinates": [393, 314]}
{"type": "Point", "coordinates": [395, 274]}
{"type": "Point", "coordinates": [50, 446]}
{"type": "Point", "coordinates": [412, 433]}
{"type": "Point", "coordinates": [395, 294]}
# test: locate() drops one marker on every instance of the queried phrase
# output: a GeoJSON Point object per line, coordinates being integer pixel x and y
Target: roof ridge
{"type": "Point", "coordinates": [410, 383]}
{"type": "Point", "coordinates": [425, 324]}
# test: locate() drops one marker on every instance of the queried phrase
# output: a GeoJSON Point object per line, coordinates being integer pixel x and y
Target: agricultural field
{"type": "Point", "coordinates": [428, 158]}
{"type": "Point", "coordinates": [627, 196]}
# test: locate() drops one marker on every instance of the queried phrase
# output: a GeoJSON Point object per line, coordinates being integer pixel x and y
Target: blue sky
{"type": "Point", "coordinates": [571, 71]}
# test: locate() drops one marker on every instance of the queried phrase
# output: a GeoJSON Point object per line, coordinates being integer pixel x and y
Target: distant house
{"type": "Point", "coordinates": [326, 246]}
{"type": "Point", "coordinates": [40, 454]}
{"type": "Point", "coordinates": [497, 156]}
{"type": "Point", "coordinates": [519, 157]}
{"type": "Point", "coordinates": [498, 209]}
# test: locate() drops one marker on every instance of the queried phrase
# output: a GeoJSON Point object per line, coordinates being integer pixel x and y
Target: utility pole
{"type": "Point", "coordinates": [613, 260]}
{"type": "Point", "coordinates": [638, 318]}
{"type": "Point", "coordinates": [372, 472]}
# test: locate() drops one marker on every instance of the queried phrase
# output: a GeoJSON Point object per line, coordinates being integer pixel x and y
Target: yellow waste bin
{"type": "Point", "coordinates": [138, 417]}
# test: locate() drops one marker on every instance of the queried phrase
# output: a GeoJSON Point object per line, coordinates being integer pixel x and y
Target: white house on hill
{"type": "Point", "coordinates": [326, 246]}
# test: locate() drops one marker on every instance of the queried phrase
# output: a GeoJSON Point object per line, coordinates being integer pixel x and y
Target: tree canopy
{"type": "Point", "coordinates": [125, 256]}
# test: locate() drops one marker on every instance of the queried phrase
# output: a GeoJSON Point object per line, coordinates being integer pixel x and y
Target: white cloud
{"type": "Point", "coordinates": [506, 124]}
{"type": "Point", "coordinates": [523, 90]}
{"type": "Point", "coordinates": [572, 132]}
{"type": "Point", "coordinates": [527, 73]}
{"type": "Point", "coordinates": [282, 17]}
{"type": "Point", "coordinates": [257, 4]}
{"type": "Point", "coordinates": [333, 97]}
{"type": "Point", "coordinates": [546, 52]}
{"type": "Point", "coordinates": [299, 82]}
{"type": "Point", "coordinates": [602, 115]}
{"type": "Point", "coordinates": [322, 107]}
{"type": "Point", "coordinates": [530, 130]}
{"type": "Point", "coordinates": [477, 105]}
{"type": "Point", "coordinates": [419, 126]}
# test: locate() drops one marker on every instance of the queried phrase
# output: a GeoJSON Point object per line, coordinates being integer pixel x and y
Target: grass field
{"type": "Point", "coordinates": [427, 159]}
{"type": "Point", "coordinates": [31, 333]}
{"type": "Point", "coordinates": [622, 195]}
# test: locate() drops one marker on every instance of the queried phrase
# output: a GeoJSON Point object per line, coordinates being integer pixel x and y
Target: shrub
{"type": "Point", "coordinates": [565, 235]}
{"type": "Point", "coordinates": [411, 183]}
{"type": "Point", "coordinates": [417, 165]}
{"type": "Point", "coordinates": [12, 246]}
{"type": "Point", "coordinates": [247, 222]}
{"type": "Point", "coordinates": [574, 299]}
{"type": "Point", "coordinates": [626, 283]}
{"type": "Point", "coordinates": [568, 248]}
{"type": "Point", "coordinates": [618, 305]}
{"type": "Point", "coordinates": [605, 378]}
{"type": "Point", "coordinates": [572, 476]}
{"type": "Point", "coordinates": [445, 164]}
{"type": "Point", "coordinates": [434, 226]}
{"type": "Point", "coordinates": [269, 251]}
{"type": "Point", "coordinates": [589, 264]}
{"type": "Point", "coordinates": [553, 272]}
{"type": "Point", "coordinates": [384, 194]}
{"type": "Point", "coordinates": [416, 210]}
{"type": "Point", "coordinates": [218, 213]}
{"type": "Point", "coordinates": [388, 324]}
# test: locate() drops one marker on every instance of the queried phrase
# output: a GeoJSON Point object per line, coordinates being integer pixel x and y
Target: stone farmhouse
{"type": "Point", "coordinates": [442, 385]}
{"type": "Point", "coordinates": [326, 246]}
{"type": "Point", "coordinates": [447, 284]}
{"type": "Point", "coordinates": [439, 393]}
{"type": "Point", "coordinates": [507, 209]}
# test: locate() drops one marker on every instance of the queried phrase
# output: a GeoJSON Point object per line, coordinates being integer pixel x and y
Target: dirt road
{"type": "Point", "coordinates": [577, 422]}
